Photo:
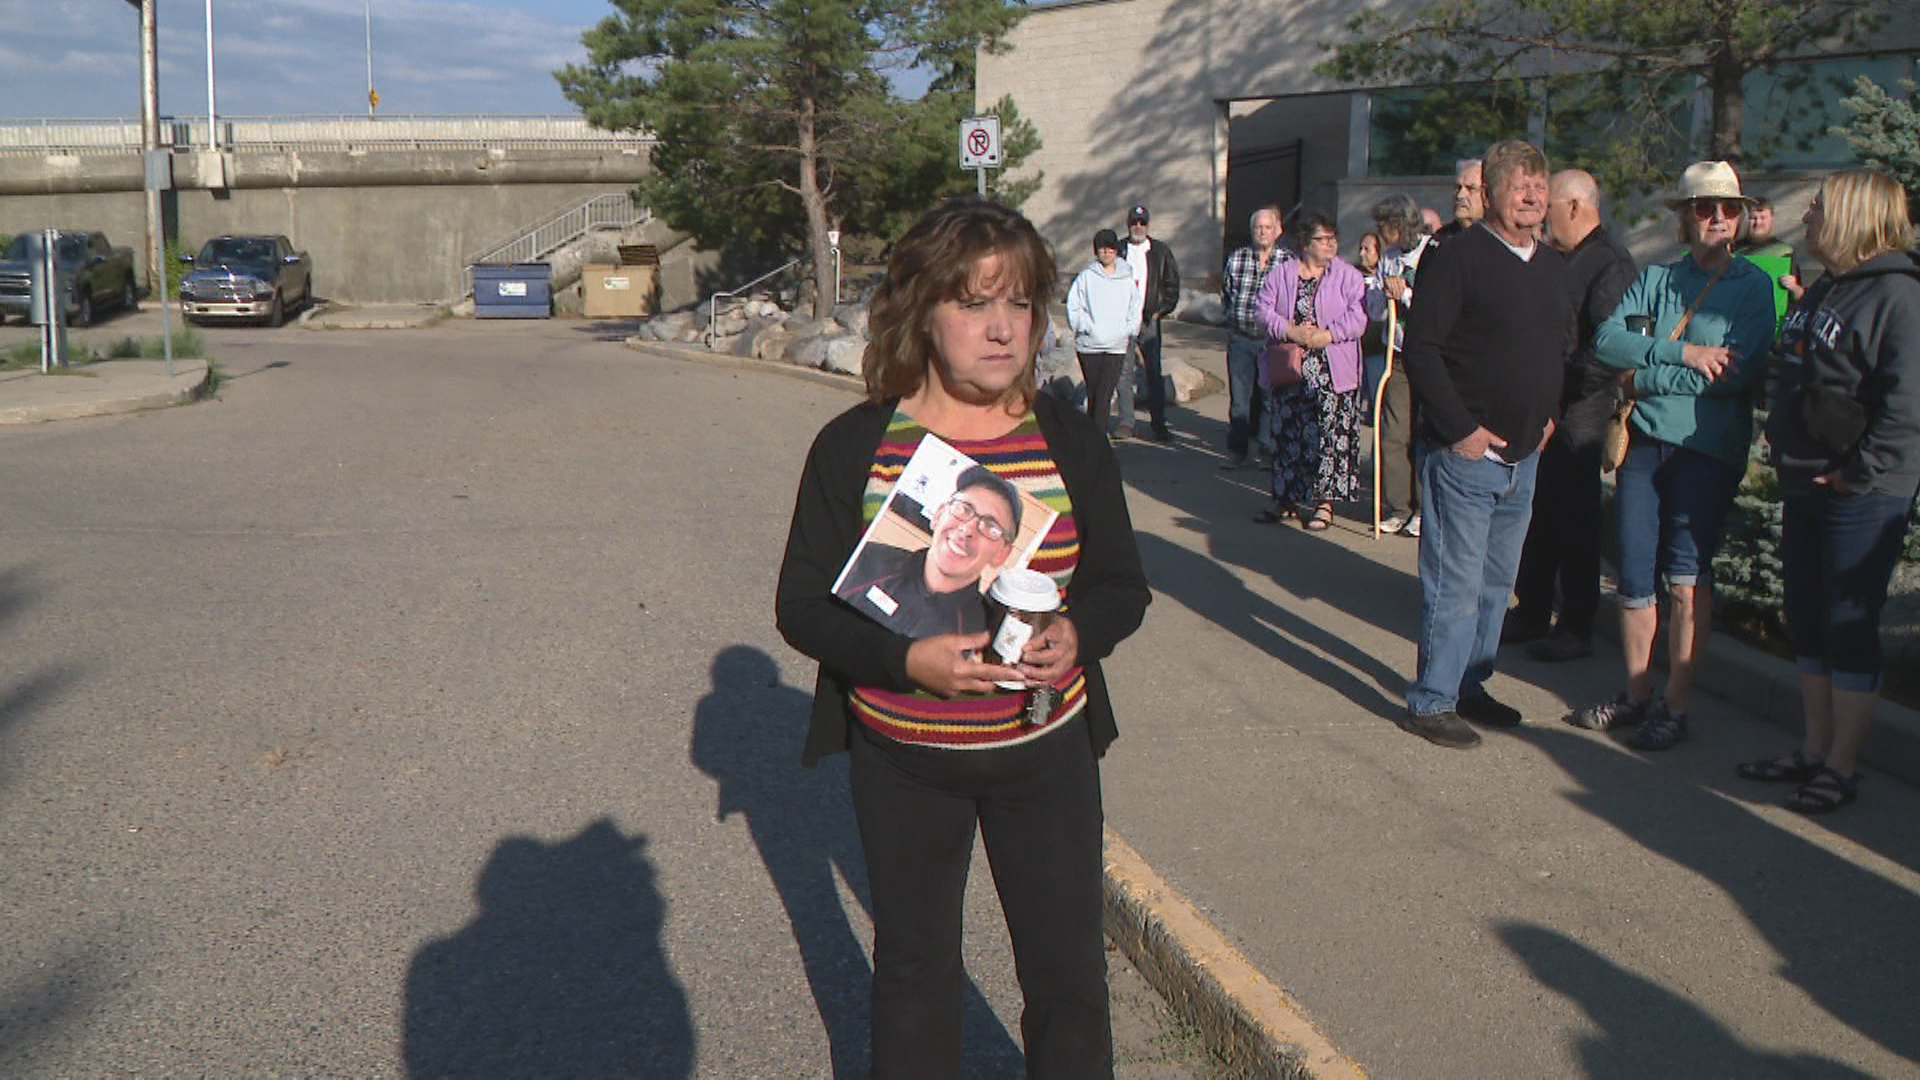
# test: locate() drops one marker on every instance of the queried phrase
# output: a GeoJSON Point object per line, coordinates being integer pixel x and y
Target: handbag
{"type": "Point", "coordinates": [1835, 421]}
{"type": "Point", "coordinates": [1283, 360]}
{"type": "Point", "coordinates": [1619, 434]}
{"type": "Point", "coordinates": [1613, 445]}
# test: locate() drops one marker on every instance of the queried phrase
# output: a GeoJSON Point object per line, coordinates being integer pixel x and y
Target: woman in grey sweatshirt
{"type": "Point", "coordinates": [1844, 429]}
{"type": "Point", "coordinates": [1103, 310]}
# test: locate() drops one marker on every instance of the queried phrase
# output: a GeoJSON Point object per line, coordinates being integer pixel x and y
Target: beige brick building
{"type": "Point", "coordinates": [1205, 109]}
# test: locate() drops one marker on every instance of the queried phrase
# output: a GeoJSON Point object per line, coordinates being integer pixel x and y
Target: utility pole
{"type": "Point", "coordinates": [213, 139]}
{"type": "Point", "coordinates": [150, 137]}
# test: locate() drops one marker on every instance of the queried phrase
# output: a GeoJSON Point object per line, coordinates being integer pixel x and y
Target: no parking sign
{"type": "Point", "coordinates": [980, 142]}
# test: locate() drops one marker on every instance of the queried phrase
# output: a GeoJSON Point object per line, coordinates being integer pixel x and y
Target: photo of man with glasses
{"type": "Point", "coordinates": [936, 589]}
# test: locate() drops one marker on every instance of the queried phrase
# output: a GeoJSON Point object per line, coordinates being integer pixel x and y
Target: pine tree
{"type": "Point", "coordinates": [774, 120]}
{"type": "Point", "coordinates": [1885, 131]}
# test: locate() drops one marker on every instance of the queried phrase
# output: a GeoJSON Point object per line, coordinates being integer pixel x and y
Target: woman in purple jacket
{"type": "Point", "coordinates": [1317, 303]}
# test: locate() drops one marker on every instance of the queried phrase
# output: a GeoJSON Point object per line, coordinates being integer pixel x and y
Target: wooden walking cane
{"type": "Point", "coordinates": [1379, 403]}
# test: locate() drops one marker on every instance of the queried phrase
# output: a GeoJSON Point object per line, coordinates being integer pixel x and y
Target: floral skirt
{"type": "Point", "coordinates": [1317, 435]}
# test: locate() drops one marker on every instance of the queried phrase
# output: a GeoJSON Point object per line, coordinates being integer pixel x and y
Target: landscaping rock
{"type": "Point", "coordinates": [844, 353]}
{"type": "Point", "coordinates": [1200, 307]}
{"type": "Point", "coordinates": [809, 352]}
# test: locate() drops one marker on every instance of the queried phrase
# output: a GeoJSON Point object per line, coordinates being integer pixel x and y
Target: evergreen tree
{"type": "Point", "coordinates": [1885, 131]}
{"type": "Point", "coordinates": [1614, 75]}
{"type": "Point", "coordinates": [774, 120]}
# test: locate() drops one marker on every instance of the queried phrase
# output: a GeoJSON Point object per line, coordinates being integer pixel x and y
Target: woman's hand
{"type": "Point", "coordinates": [949, 664]}
{"type": "Point", "coordinates": [1625, 381]}
{"type": "Point", "coordinates": [1709, 360]}
{"type": "Point", "coordinates": [1833, 481]}
{"type": "Point", "coordinates": [1051, 652]}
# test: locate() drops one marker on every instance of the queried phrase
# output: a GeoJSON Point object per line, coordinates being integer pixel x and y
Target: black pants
{"type": "Point", "coordinates": [1037, 807]}
{"type": "Point", "coordinates": [1101, 371]}
{"type": "Point", "coordinates": [1563, 541]}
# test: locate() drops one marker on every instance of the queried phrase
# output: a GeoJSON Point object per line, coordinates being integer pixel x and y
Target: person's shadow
{"type": "Point", "coordinates": [747, 735]}
{"type": "Point", "coordinates": [1643, 1029]}
{"type": "Point", "coordinates": [562, 974]}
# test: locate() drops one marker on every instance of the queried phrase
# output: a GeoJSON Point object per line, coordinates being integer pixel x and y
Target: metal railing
{"type": "Point", "coordinates": [270, 133]}
{"type": "Point", "coordinates": [545, 237]}
{"type": "Point", "coordinates": [713, 302]}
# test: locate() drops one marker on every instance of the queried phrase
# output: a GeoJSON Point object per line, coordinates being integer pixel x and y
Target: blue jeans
{"type": "Point", "coordinates": [1670, 503]}
{"type": "Point", "coordinates": [1474, 518]}
{"type": "Point", "coordinates": [1838, 552]}
{"type": "Point", "coordinates": [1246, 401]}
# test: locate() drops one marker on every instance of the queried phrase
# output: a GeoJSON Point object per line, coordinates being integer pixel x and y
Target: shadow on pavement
{"type": "Point", "coordinates": [1846, 935]}
{"type": "Point", "coordinates": [63, 984]}
{"type": "Point", "coordinates": [747, 735]}
{"type": "Point", "coordinates": [1647, 1030]}
{"type": "Point", "coordinates": [1215, 594]}
{"type": "Point", "coordinates": [561, 974]}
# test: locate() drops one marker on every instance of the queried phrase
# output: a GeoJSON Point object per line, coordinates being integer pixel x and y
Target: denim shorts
{"type": "Point", "coordinates": [1839, 553]}
{"type": "Point", "coordinates": [1671, 503]}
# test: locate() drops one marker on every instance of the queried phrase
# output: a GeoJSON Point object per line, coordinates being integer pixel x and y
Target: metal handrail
{"type": "Point", "coordinates": [599, 212]}
{"type": "Point", "coordinates": [713, 302]}
{"type": "Point", "coordinates": [281, 133]}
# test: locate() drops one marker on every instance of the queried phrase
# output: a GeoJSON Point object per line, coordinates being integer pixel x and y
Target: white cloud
{"type": "Point", "coordinates": [76, 58]}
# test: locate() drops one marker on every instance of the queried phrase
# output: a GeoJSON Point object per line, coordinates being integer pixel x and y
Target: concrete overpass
{"type": "Point", "coordinates": [392, 210]}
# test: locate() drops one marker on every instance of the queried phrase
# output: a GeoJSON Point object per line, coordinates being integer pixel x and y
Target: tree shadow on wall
{"type": "Point", "coordinates": [747, 735]}
{"type": "Point", "coordinates": [562, 974]}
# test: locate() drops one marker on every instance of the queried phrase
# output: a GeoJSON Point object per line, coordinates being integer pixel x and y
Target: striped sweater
{"type": "Point", "coordinates": [975, 721]}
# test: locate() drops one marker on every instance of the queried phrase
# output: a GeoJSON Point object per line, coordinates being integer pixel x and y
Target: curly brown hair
{"type": "Point", "coordinates": [934, 262]}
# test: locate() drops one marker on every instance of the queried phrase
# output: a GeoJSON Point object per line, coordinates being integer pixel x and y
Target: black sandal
{"type": "Point", "coordinates": [1796, 769]}
{"type": "Point", "coordinates": [1319, 521]}
{"type": "Point", "coordinates": [1273, 515]}
{"type": "Point", "coordinates": [1825, 792]}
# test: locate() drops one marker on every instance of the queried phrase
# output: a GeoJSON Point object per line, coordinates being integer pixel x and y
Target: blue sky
{"type": "Point", "coordinates": [81, 58]}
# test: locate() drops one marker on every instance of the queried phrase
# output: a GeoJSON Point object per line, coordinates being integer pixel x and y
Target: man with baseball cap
{"type": "Point", "coordinates": [1158, 275]}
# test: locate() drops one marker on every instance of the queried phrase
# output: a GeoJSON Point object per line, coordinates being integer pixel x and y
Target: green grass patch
{"type": "Point", "coordinates": [186, 342]}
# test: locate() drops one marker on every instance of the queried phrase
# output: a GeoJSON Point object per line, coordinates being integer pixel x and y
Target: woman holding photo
{"type": "Point", "coordinates": [938, 749]}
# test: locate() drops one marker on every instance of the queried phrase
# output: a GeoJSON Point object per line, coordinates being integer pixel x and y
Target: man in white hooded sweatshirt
{"type": "Point", "coordinates": [1103, 310]}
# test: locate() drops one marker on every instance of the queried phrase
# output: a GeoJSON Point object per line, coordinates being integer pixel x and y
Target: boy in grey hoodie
{"type": "Point", "coordinates": [1103, 310]}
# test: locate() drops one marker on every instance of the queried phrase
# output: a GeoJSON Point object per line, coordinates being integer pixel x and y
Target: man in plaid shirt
{"type": "Point", "coordinates": [1246, 271]}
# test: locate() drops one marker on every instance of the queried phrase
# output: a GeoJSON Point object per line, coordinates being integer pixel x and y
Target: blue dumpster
{"type": "Point", "coordinates": [512, 290]}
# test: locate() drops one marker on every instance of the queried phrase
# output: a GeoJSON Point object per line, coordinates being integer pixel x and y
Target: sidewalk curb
{"type": "Point", "coordinates": [1246, 1019]}
{"type": "Point", "coordinates": [1769, 687]}
{"type": "Point", "coordinates": [699, 354]}
{"type": "Point", "coordinates": [74, 410]}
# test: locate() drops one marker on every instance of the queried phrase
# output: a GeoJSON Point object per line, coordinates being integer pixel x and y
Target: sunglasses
{"type": "Point", "coordinates": [1729, 208]}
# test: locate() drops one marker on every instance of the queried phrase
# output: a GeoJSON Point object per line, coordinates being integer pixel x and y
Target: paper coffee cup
{"type": "Point", "coordinates": [1019, 602]}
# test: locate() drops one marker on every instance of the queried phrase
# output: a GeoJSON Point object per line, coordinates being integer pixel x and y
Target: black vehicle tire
{"type": "Point", "coordinates": [277, 313]}
{"type": "Point", "coordinates": [129, 298]}
{"type": "Point", "coordinates": [83, 314]}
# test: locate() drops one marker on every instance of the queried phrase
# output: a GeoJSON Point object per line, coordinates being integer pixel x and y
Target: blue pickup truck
{"type": "Point", "coordinates": [255, 278]}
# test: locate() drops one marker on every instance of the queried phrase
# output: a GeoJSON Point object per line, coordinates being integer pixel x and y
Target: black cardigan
{"type": "Point", "coordinates": [1107, 596]}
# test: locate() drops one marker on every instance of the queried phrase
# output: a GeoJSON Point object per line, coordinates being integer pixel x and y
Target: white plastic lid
{"type": "Point", "coordinates": [1026, 590]}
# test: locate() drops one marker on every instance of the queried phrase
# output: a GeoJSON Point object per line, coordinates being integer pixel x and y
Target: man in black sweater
{"type": "Point", "coordinates": [1563, 542]}
{"type": "Point", "coordinates": [1486, 345]}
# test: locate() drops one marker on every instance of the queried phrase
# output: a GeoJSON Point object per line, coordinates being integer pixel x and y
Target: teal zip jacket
{"type": "Point", "coordinates": [1677, 404]}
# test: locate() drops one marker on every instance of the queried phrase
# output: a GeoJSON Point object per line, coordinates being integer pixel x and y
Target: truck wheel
{"type": "Point", "coordinates": [83, 314]}
{"type": "Point", "coordinates": [129, 299]}
{"type": "Point", "coordinates": [276, 313]}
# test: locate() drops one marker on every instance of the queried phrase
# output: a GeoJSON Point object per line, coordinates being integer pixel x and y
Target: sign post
{"type": "Point", "coordinates": [980, 146]}
{"type": "Point", "coordinates": [833, 241]}
{"type": "Point", "coordinates": [159, 177]}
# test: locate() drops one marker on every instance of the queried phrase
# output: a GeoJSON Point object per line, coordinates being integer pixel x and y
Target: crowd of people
{"type": "Point", "coordinates": [1533, 357]}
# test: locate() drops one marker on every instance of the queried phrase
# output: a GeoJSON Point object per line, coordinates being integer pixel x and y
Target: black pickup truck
{"type": "Point", "coordinates": [93, 274]}
{"type": "Point", "coordinates": [257, 278]}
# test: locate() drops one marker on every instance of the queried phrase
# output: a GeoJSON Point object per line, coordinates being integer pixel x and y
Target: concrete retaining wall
{"type": "Point", "coordinates": [391, 227]}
